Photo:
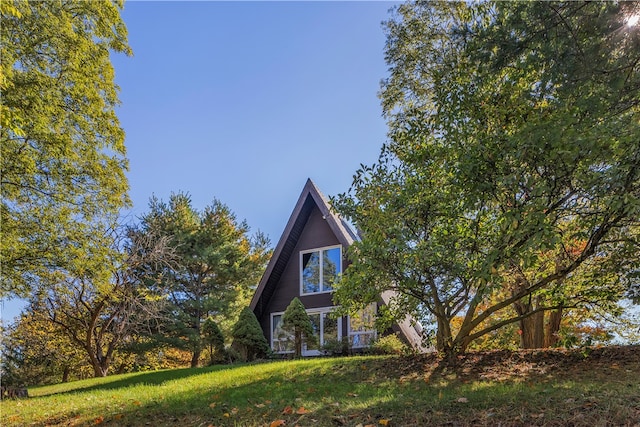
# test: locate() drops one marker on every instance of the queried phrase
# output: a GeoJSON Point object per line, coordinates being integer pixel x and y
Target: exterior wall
{"type": "Point", "coordinates": [316, 234]}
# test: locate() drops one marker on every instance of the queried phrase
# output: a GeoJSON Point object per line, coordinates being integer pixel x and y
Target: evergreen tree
{"type": "Point", "coordinates": [297, 321]}
{"type": "Point", "coordinates": [248, 337]}
{"type": "Point", "coordinates": [212, 337]}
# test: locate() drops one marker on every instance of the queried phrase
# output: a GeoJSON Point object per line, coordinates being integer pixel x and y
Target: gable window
{"type": "Point", "coordinates": [320, 269]}
{"type": "Point", "coordinates": [362, 329]}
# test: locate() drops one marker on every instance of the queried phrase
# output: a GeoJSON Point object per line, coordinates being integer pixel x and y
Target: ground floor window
{"type": "Point", "coordinates": [325, 328]}
{"type": "Point", "coordinates": [362, 331]}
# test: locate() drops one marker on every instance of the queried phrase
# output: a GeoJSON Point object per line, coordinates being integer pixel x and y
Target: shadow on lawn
{"type": "Point", "coordinates": [147, 378]}
{"type": "Point", "coordinates": [405, 391]}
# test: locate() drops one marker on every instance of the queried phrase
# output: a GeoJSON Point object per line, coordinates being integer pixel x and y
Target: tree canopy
{"type": "Point", "coordinates": [216, 264]}
{"type": "Point", "coordinates": [61, 145]}
{"type": "Point", "coordinates": [512, 168]}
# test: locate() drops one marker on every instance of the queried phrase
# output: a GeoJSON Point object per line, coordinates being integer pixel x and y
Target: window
{"type": "Point", "coordinates": [325, 328]}
{"type": "Point", "coordinates": [362, 331]}
{"type": "Point", "coordinates": [281, 340]}
{"type": "Point", "coordinates": [320, 270]}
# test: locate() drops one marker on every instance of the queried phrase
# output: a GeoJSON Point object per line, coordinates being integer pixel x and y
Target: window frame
{"type": "Point", "coordinates": [371, 332]}
{"type": "Point", "coordinates": [321, 268]}
{"type": "Point", "coordinates": [310, 311]}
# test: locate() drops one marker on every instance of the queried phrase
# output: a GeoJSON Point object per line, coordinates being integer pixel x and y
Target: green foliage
{"type": "Point", "coordinates": [389, 344]}
{"type": "Point", "coordinates": [216, 262]}
{"type": "Point", "coordinates": [212, 337]}
{"type": "Point", "coordinates": [101, 314]}
{"type": "Point", "coordinates": [353, 390]}
{"type": "Point", "coordinates": [296, 320]}
{"type": "Point", "coordinates": [248, 337]}
{"type": "Point", "coordinates": [335, 347]}
{"type": "Point", "coordinates": [35, 351]}
{"type": "Point", "coordinates": [61, 145]}
{"type": "Point", "coordinates": [513, 164]}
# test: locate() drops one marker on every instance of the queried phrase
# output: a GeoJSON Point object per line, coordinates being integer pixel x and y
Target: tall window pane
{"type": "Point", "coordinates": [311, 272]}
{"type": "Point", "coordinates": [281, 338]}
{"type": "Point", "coordinates": [315, 322]}
{"type": "Point", "coordinates": [330, 267]}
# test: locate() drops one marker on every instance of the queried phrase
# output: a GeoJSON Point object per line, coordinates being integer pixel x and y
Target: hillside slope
{"type": "Point", "coordinates": [587, 387]}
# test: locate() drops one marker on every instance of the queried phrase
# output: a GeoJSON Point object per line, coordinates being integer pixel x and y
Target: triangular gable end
{"type": "Point", "coordinates": [309, 198]}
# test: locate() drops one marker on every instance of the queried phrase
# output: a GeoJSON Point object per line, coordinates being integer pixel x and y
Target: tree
{"type": "Point", "coordinates": [216, 263]}
{"type": "Point", "coordinates": [514, 135]}
{"type": "Point", "coordinates": [297, 321]}
{"type": "Point", "coordinates": [35, 351]}
{"type": "Point", "coordinates": [247, 335]}
{"type": "Point", "coordinates": [61, 145]}
{"type": "Point", "coordinates": [101, 314]}
{"type": "Point", "coordinates": [212, 337]}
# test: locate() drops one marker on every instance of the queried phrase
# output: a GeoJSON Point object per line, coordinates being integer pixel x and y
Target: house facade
{"type": "Point", "coordinates": [308, 259]}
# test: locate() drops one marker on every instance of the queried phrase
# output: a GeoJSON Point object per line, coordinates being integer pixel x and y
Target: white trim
{"type": "Point", "coordinates": [280, 313]}
{"type": "Point", "coordinates": [351, 333]}
{"type": "Point", "coordinates": [310, 311]}
{"type": "Point", "coordinates": [321, 268]}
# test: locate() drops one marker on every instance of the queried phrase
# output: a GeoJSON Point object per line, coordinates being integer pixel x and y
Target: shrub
{"type": "Point", "coordinates": [389, 344]}
{"type": "Point", "coordinates": [248, 337]}
{"type": "Point", "coordinates": [297, 321]}
{"type": "Point", "coordinates": [212, 337]}
{"type": "Point", "coordinates": [335, 347]}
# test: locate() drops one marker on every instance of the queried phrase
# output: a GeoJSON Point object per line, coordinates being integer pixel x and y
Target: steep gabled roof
{"type": "Point", "coordinates": [309, 198]}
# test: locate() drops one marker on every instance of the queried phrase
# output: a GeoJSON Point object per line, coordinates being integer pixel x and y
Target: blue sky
{"type": "Point", "coordinates": [243, 101]}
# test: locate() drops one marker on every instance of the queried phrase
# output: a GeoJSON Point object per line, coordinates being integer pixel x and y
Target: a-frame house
{"type": "Point", "coordinates": [309, 257]}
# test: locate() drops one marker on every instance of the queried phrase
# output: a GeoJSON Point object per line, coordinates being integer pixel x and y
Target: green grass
{"type": "Point", "coordinates": [337, 392]}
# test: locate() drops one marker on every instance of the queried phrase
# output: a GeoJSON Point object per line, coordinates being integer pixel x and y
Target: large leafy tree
{"type": "Point", "coordinates": [102, 314]}
{"type": "Point", "coordinates": [35, 351]}
{"type": "Point", "coordinates": [217, 262]}
{"type": "Point", "coordinates": [512, 167]}
{"type": "Point", "coordinates": [61, 144]}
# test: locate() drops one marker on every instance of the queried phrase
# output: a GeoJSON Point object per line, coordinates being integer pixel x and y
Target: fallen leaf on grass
{"type": "Point", "coordinates": [462, 400]}
{"type": "Point", "coordinates": [384, 422]}
{"type": "Point", "coordinates": [118, 416]}
{"type": "Point", "coordinates": [352, 395]}
{"type": "Point", "coordinates": [301, 411]}
{"type": "Point", "coordinates": [259, 405]}
{"type": "Point", "coordinates": [288, 410]}
{"type": "Point", "coordinates": [212, 405]}
{"type": "Point", "coordinates": [276, 423]}
{"type": "Point", "coordinates": [98, 420]}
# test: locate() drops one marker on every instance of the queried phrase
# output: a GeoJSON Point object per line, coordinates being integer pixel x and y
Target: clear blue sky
{"type": "Point", "coordinates": [243, 101]}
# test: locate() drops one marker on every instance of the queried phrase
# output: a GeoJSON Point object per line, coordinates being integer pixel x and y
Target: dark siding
{"type": "Point", "coordinates": [315, 234]}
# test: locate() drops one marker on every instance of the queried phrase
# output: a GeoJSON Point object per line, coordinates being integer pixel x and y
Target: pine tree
{"type": "Point", "coordinates": [297, 321]}
{"type": "Point", "coordinates": [247, 335]}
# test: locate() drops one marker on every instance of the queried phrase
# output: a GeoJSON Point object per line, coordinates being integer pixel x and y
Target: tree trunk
{"type": "Point", "coordinates": [65, 374]}
{"type": "Point", "coordinates": [443, 335]}
{"type": "Point", "coordinates": [552, 327]}
{"type": "Point", "coordinates": [195, 358]}
{"type": "Point", "coordinates": [298, 339]}
{"type": "Point", "coordinates": [99, 370]}
{"type": "Point", "coordinates": [532, 326]}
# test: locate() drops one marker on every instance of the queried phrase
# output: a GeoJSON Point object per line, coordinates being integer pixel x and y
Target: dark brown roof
{"type": "Point", "coordinates": [309, 198]}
